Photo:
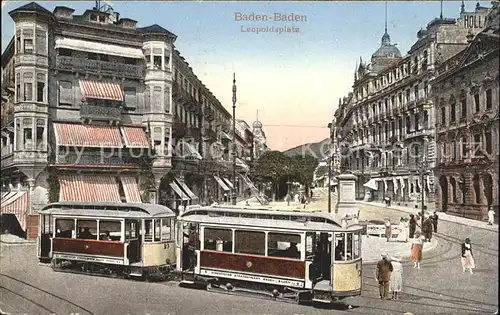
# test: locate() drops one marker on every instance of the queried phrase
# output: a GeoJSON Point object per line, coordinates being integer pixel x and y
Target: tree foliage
{"type": "Point", "coordinates": [303, 168]}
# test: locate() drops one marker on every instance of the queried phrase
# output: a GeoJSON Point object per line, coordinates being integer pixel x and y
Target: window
{"type": "Point", "coordinates": [131, 230]}
{"type": "Point", "coordinates": [130, 97]}
{"type": "Point", "coordinates": [218, 239]}
{"type": "Point", "coordinates": [477, 188]}
{"type": "Point", "coordinates": [408, 95]}
{"type": "Point", "coordinates": [454, 189]}
{"type": "Point", "coordinates": [464, 147]}
{"type": "Point", "coordinates": [93, 17]}
{"type": "Point", "coordinates": [310, 245]}
{"type": "Point", "coordinates": [65, 93]}
{"type": "Point", "coordinates": [157, 98]}
{"type": "Point", "coordinates": [130, 61]}
{"type": "Point", "coordinates": [453, 150]}
{"type": "Point", "coordinates": [65, 228]}
{"type": "Point", "coordinates": [477, 144]}
{"type": "Point", "coordinates": [415, 92]}
{"type": "Point", "coordinates": [417, 127]}
{"type": "Point", "coordinates": [487, 136]}
{"type": "Point", "coordinates": [102, 19]}
{"type": "Point", "coordinates": [356, 250]}
{"type": "Point", "coordinates": [41, 42]}
{"type": "Point", "coordinates": [453, 111]}
{"type": "Point", "coordinates": [28, 92]}
{"type": "Point", "coordinates": [40, 86]}
{"type": "Point", "coordinates": [18, 91]}
{"type": "Point", "coordinates": [157, 232]}
{"type": "Point", "coordinates": [40, 129]}
{"type": "Point", "coordinates": [489, 101]}
{"type": "Point", "coordinates": [110, 230]}
{"type": "Point", "coordinates": [249, 242]}
{"type": "Point", "coordinates": [443, 115]}
{"type": "Point", "coordinates": [148, 59]}
{"type": "Point", "coordinates": [167, 231]}
{"type": "Point", "coordinates": [283, 245]}
{"type": "Point", "coordinates": [87, 229]}
{"type": "Point", "coordinates": [28, 138]}
{"type": "Point", "coordinates": [65, 52]}
{"type": "Point", "coordinates": [157, 62]}
{"type": "Point", "coordinates": [408, 124]}
{"type": "Point", "coordinates": [476, 103]}
{"type": "Point", "coordinates": [92, 56]}
{"type": "Point", "coordinates": [340, 253]}
{"type": "Point", "coordinates": [148, 230]}
{"type": "Point", "coordinates": [18, 44]}
{"type": "Point", "coordinates": [28, 45]}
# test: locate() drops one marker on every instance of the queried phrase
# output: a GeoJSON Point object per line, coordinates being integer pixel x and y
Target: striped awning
{"type": "Point", "coordinates": [98, 48]}
{"type": "Point", "coordinates": [89, 188]}
{"type": "Point", "coordinates": [16, 203]}
{"type": "Point", "coordinates": [135, 137]}
{"type": "Point", "coordinates": [131, 189]}
{"type": "Point", "coordinates": [178, 191]}
{"type": "Point", "coordinates": [242, 164]}
{"type": "Point", "coordinates": [221, 183]}
{"type": "Point", "coordinates": [101, 90]}
{"type": "Point", "coordinates": [228, 182]}
{"type": "Point", "coordinates": [186, 189]}
{"type": "Point", "coordinates": [88, 135]}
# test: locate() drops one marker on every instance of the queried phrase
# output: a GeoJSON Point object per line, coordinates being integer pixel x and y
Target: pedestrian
{"type": "Point", "coordinates": [427, 229]}
{"type": "Point", "coordinates": [491, 216]}
{"type": "Point", "coordinates": [287, 199]}
{"type": "Point", "coordinates": [396, 284]}
{"type": "Point", "coordinates": [416, 250]}
{"type": "Point", "coordinates": [383, 276]}
{"type": "Point", "coordinates": [412, 225]}
{"type": "Point", "coordinates": [467, 256]}
{"type": "Point", "coordinates": [388, 229]}
{"type": "Point", "coordinates": [435, 221]}
{"type": "Point", "coordinates": [403, 230]}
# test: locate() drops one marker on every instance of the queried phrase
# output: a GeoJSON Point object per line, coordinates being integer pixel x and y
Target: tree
{"type": "Point", "coordinates": [303, 169]}
{"type": "Point", "coordinates": [271, 167]}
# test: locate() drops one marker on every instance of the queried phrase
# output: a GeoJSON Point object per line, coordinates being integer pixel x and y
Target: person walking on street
{"type": "Point", "coordinates": [427, 229]}
{"type": "Point", "coordinates": [491, 216]}
{"type": "Point", "coordinates": [467, 257]}
{"type": "Point", "coordinates": [416, 250]}
{"type": "Point", "coordinates": [412, 225]}
{"type": "Point", "coordinates": [388, 229]}
{"type": "Point", "coordinates": [435, 221]}
{"type": "Point", "coordinates": [383, 276]}
{"type": "Point", "coordinates": [396, 284]}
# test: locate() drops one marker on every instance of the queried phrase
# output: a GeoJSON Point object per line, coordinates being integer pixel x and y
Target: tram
{"type": "Point", "coordinates": [300, 256]}
{"type": "Point", "coordinates": [116, 239]}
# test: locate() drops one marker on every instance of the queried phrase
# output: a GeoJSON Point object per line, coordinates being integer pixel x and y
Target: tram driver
{"type": "Point", "coordinates": [190, 246]}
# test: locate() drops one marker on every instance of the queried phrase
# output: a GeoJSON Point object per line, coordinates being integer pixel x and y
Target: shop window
{"type": "Point", "coordinates": [65, 52]}
{"type": "Point", "coordinates": [92, 56]}
{"type": "Point", "coordinates": [130, 61]}
{"type": "Point", "coordinates": [283, 245]}
{"type": "Point", "coordinates": [28, 92]}
{"type": "Point", "coordinates": [65, 228]}
{"type": "Point", "coordinates": [218, 239]}
{"type": "Point", "coordinates": [87, 229]}
{"type": "Point", "coordinates": [249, 242]}
{"type": "Point", "coordinates": [110, 230]}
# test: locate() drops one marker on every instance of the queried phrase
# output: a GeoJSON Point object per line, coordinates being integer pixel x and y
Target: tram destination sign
{"type": "Point", "coordinates": [251, 277]}
{"type": "Point", "coordinates": [89, 259]}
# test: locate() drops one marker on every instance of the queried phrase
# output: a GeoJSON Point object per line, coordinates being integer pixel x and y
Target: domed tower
{"type": "Point", "coordinates": [387, 52]}
{"type": "Point", "coordinates": [260, 145]}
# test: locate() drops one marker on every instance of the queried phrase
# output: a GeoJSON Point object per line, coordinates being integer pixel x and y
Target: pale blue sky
{"type": "Point", "coordinates": [293, 78]}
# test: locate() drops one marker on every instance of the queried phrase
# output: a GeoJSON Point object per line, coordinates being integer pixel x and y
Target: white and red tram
{"type": "Point", "coordinates": [306, 256]}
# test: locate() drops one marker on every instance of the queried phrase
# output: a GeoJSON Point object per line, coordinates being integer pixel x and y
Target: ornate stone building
{"type": "Point", "coordinates": [260, 140]}
{"type": "Point", "coordinates": [466, 93]}
{"type": "Point", "coordinates": [95, 108]}
{"type": "Point", "coordinates": [387, 123]}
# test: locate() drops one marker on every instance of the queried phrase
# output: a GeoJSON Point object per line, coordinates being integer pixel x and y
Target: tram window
{"type": "Point", "coordinates": [340, 247]}
{"type": "Point", "coordinates": [130, 230]}
{"type": "Point", "coordinates": [110, 230]}
{"type": "Point", "coordinates": [249, 242]}
{"type": "Point", "coordinates": [218, 239]}
{"type": "Point", "coordinates": [87, 229]}
{"type": "Point", "coordinates": [148, 228]}
{"type": "Point", "coordinates": [65, 228]}
{"type": "Point", "coordinates": [157, 234]}
{"type": "Point", "coordinates": [166, 230]}
{"type": "Point", "coordinates": [283, 245]}
{"type": "Point", "coordinates": [356, 246]}
{"type": "Point", "coordinates": [310, 241]}
{"type": "Point", "coordinates": [349, 246]}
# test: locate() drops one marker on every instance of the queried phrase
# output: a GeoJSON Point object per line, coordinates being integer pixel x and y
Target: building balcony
{"type": "Point", "coordinates": [94, 158]}
{"type": "Point", "coordinates": [75, 64]}
{"type": "Point", "coordinates": [183, 98]}
{"type": "Point", "coordinates": [179, 129]}
{"type": "Point", "coordinates": [30, 157]}
{"type": "Point", "coordinates": [95, 112]}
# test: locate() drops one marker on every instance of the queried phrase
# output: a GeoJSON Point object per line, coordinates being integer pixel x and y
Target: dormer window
{"type": "Point", "coordinates": [102, 19]}
{"type": "Point", "coordinates": [93, 17]}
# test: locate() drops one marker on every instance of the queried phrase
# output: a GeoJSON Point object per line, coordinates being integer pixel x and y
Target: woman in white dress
{"type": "Point", "coordinates": [396, 283]}
{"type": "Point", "coordinates": [404, 230]}
{"type": "Point", "coordinates": [467, 257]}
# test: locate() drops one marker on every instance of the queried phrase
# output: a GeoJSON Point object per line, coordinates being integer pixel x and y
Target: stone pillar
{"type": "Point", "coordinates": [346, 202]}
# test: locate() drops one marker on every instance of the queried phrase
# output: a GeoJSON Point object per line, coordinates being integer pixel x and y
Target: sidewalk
{"type": "Point", "coordinates": [372, 247]}
{"type": "Point", "coordinates": [10, 239]}
{"type": "Point", "coordinates": [442, 216]}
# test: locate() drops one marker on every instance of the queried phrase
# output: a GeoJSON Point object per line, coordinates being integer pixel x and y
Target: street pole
{"type": "Point", "coordinates": [234, 140]}
{"type": "Point", "coordinates": [329, 182]}
{"type": "Point", "coordinates": [422, 171]}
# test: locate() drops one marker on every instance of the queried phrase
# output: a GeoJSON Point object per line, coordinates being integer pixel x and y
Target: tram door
{"type": "Point", "coordinates": [191, 243]}
{"type": "Point", "coordinates": [44, 243]}
{"type": "Point", "coordinates": [323, 256]}
{"type": "Point", "coordinates": [134, 239]}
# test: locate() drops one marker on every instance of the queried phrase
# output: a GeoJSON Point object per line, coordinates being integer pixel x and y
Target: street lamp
{"type": "Point", "coordinates": [234, 141]}
{"type": "Point", "coordinates": [329, 182]}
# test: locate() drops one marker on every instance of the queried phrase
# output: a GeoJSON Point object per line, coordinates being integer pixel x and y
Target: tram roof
{"type": "Point", "coordinates": [108, 209]}
{"type": "Point", "coordinates": [264, 217]}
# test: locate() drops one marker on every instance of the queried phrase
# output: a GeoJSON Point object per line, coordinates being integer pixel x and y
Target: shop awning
{"type": "Point", "coordinates": [372, 184]}
{"type": "Point", "coordinates": [16, 203]}
{"type": "Point", "coordinates": [80, 135]}
{"type": "Point", "coordinates": [186, 189]}
{"type": "Point", "coordinates": [227, 182]}
{"type": "Point", "coordinates": [89, 188]}
{"type": "Point", "coordinates": [225, 135]}
{"type": "Point", "coordinates": [102, 90]}
{"type": "Point", "coordinates": [191, 151]}
{"type": "Point", "coordinates": [242, 164]}
{"type": "Point", "coordinates": [135, 137]}
{"type": "Point", "coordinates": [99, 48]}
{"type": "Point", "coordinates": [221, 183]}
{"type": "Point", "coordinates": [131, 189]}
{"type": "Point", "coordinates": [178, 191]}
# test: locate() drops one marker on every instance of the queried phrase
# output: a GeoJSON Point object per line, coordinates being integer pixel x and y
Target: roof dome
{"type": "Point", "coordinates": [386, 49]}
{"type": "Point", "coordinates": [257, 124]}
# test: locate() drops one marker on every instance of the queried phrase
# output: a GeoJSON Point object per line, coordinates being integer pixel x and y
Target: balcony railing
{"type": "Point", "coordinates": [183, 97]}
{"type": "Point", "coordinates": [93, 158]}
{"type": "Point", "coordinates": [105, 67]}
{"type": "Point", "coordinates": [100, 112]}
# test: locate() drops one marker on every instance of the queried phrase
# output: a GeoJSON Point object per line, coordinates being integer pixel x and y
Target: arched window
{"type": "Point", "coordinates": [488, 188]}
{"type": "Point", "coordinates": [462, 188]}
{"type": "Point", "coordinates": [454, 189]}
{"type": "Point", "coordinates": [463, 104]}
{"type": "Point", "coordinates": [453, 109]}
{"type": "Point", "coordinates": [477, 189]}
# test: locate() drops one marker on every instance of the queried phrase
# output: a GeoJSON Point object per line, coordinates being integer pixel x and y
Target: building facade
{"type": "Point", "coordinates": [466, 92]}
{"type": "Point", "coordinates": [387, 122]}
{"type": "Point", "coordinates": [260, 140]}
{"type": "Point", "coordinates": [95, 108]}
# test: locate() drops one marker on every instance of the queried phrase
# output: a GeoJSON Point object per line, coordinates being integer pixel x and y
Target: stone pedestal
{"type": "Point", "coordinates": [346, 204]}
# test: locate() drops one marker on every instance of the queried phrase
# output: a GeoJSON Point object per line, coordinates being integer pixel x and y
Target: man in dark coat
{"type": "Point", "coordinates": [412, 225]}
{"type": "Point", "coordinates": [383, 276]}
{"type": "Point", "coordinates": [427, 229]}
{"type": "Point", "coordinates": [435, 221]}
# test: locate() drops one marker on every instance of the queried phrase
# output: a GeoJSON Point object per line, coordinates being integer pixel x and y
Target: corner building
{"type": "Point", "coordinates": [385, 126]}
{"type": "Point", "coordinates": [95, 108]}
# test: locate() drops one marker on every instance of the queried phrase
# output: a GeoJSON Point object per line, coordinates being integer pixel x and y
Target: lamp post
{"type": "Point", "coordinates": [234, 140]}
{"type": "Point", "coordinates": [329, 182]}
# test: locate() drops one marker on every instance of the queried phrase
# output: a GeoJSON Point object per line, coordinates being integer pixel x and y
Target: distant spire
{"type": "Point", "coordinates": [441, 14]}
{"type": "Point", "coordinates": [386, 16]}
{"type": "Point", "coordinates": [356, 72]}
{"type": "Point", "coordinates": [462, 7]}
{"type": "Point", "coordinates": [257, 115]}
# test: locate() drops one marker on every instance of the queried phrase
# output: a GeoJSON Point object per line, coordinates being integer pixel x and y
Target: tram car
{"type": "Point", "coordinates": [114, 239]}
{"type": "Point", "coordinates": [297, 256]}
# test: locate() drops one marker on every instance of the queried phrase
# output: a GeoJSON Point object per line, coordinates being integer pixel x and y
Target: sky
{"type": "Point", "coordinates": [294, 79]}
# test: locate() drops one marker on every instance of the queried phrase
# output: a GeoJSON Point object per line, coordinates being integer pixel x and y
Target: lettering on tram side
{"type": "Point", "coordinates": [248, 277]}
{"type": "Point", "coordinates": [89, 259]}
